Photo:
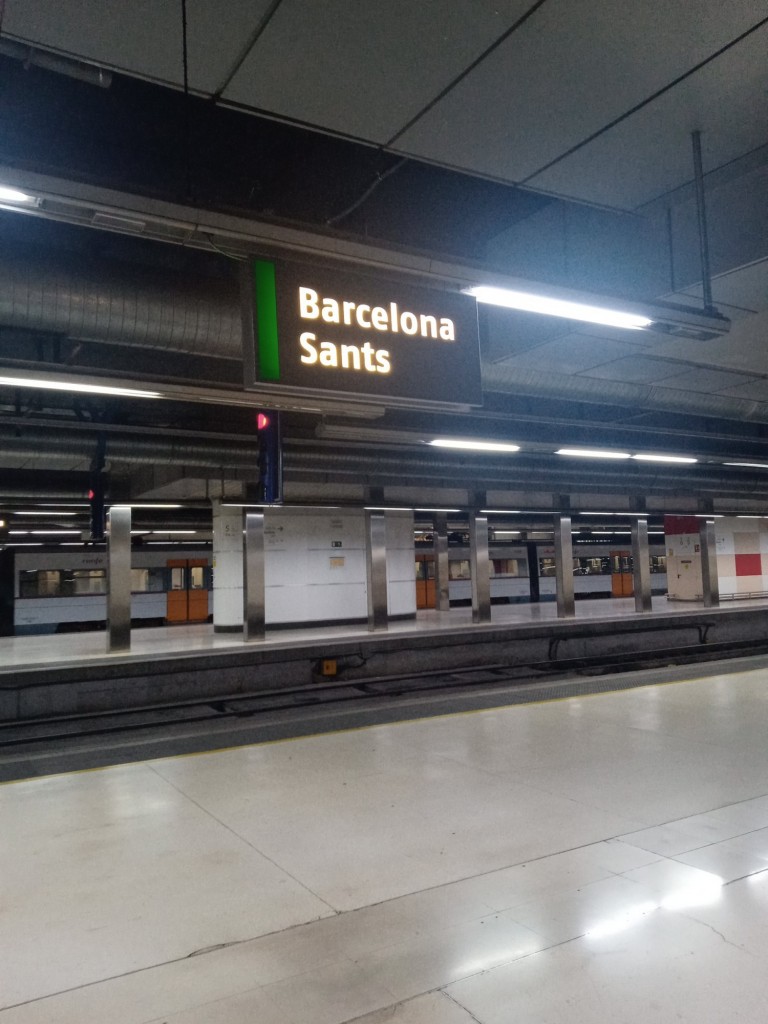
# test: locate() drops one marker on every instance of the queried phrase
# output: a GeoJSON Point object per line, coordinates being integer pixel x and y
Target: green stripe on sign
{"type": "Point", "coordinates": [266, 320]}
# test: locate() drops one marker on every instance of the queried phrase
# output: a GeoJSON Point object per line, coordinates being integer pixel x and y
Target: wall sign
{"type": "Point", "coordinates": [328, 330]}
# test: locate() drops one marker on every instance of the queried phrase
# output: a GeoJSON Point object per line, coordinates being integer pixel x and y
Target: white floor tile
{"type": "Point", "coordinates": [330, 995]}
{"type": "Point", "coordinates": [732, 859]}
{"type": "Point", "coordinates": [247, 1006]}
{"type": "Point", "coordinates": [564, 916]}
{"type": "Point", "coordinates": [434, 1008]}
{"type": "Point", "coordinates": [665, 969]}
{"type": "Point", "coordinates": [432, 961]}
{"type": "Point", "coordinates": [122, 884]}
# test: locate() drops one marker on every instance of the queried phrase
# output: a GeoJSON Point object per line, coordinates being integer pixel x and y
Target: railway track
{"type": "Point", "coordinates": [63, 743]}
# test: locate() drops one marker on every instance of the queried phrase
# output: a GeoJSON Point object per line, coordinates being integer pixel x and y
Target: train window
{"type": "Point", "coordinates": [83, 581]}
{"type": "Point", "coordinates": [197, 577]}
{"type": "Point", "coordinates": [178, 574]}
{"type": "Point", "coordinates": [39, 583]}
{"type": "Point", "coordinates": [61, 582]}
{"type": "Point", "coordinates": [509, 567]}
{"type": "Point", "coordinates": [147, 581]}
{"type": "Point", "coordinates": [546, 567]}
{"type": "Point", "coordinates": [591, 566]}
{"type": "Point", "coordinates": [458, 569]}
{"type": "Point", "coordinates": [658, 563]}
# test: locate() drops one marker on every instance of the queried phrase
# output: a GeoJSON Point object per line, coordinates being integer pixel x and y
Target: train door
{"type": "Point", "coordinates": [187, 597]}
{"type": "Point", "coordinates": [622, 580]}
{"type": "Point", "coordinates": [425, 582]}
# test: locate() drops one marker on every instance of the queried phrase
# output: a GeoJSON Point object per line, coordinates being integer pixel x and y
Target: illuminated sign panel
{"type": "Point", "coordinates": [329, 330]}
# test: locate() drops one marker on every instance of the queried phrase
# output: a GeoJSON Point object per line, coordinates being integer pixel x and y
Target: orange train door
{"type": "Point", "coordinates": [622, 580]}
{"type": "Point", "coordinates": [187, 597]}
{"type": "Point", "coordinates": [425, 582]}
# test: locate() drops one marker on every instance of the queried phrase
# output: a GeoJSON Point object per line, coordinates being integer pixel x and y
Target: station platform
{"type": "Point", "coordinates": [73, 673]}
{"type": "Point", "coordinates": [585, 859]}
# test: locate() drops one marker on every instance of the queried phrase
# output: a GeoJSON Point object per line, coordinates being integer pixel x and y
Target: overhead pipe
{"type": "Point", "coordinates": [49, 446]}
{"type": "Point", "coordinates": [120, 304]}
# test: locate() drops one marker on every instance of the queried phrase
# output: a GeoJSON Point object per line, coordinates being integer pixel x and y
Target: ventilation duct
{"type": "Point", "coordinates": [120, 304]}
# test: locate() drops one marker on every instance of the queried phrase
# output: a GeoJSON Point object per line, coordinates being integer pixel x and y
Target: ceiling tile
{"type": "Point", "coordinates": [756, 391]}
{"type": "Point", "coordinates": [649, 153]}
{"type": "Point", "coordinates": [365, 69]}
{"type": "Point", "coordinates": [707, 380]}
{"type": "Point", "coordinates": [142, 37]}
{"type": "Point", "coordinates": [635, 370]}
{"type": "Point", "coordinates": [570, 70]}
{"type": "Point", "coordinates": [740, 291]}
{"type": "Point", "coordinates": [571, 354]}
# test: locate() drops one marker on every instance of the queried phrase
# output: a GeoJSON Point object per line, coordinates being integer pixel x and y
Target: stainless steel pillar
{"type": "Point", "coordinates": [440, 547]}
{"type": "Point", "coordinates": [253, 577]}
{"type": "Point", "coordinates": [709, 580]}
{"type": "Point", "coordinates": [566, 607]}
{"type": "Point", "coordinates": [641, 568]}
{"type": "Point", "coordinates": [376, 569]}
{"type": "Point", "coordinates": [479, 568]}
{"type": "Point", "coordinates": [119, 578]}
{"type": "Point", "coordinates": [227, 569]}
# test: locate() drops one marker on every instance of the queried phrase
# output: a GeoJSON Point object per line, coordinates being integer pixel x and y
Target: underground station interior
{"type": "Point", "coordinates": [383, 511]}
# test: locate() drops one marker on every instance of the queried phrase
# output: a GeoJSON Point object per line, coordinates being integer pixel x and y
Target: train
{"type": "Point", "coordinates": [53, 590]}
{"type": "Point", "coordinates": [63, 591]}
{"type": "Point", "coordinates": [598, 571]}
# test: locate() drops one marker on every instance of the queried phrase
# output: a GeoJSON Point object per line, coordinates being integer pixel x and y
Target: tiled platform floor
{"type": "Point", "coordinates": [148, 643]}
{"type": "Point", "coordinates": [600, 858]}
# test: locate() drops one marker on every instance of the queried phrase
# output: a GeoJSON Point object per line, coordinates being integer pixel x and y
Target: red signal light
{"type": "Point", "coordinates": [91, 495]}
{"type": "Point", "coordinates": [262, 421]}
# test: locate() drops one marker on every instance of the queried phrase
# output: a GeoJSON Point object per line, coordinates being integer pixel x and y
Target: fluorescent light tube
{"type": "Point", "coordinates": [592, 453]}
{"type": "Point", "coordinates": [531, 303]}
{"type": "Point", "coordinates": [748, 465]}
{"type": "Point", "coordinates": [50, 515]}
{"type": "Point", "coordinates": [62, 533]}
{"type": "Point", "coordinates": [474, 446]}
{"type": "Point", "coordinates": [663, 458]}
{"type": "Point", "coordinates": [64, 385]}
{"type": "Point", "coordinates": [13, 195]}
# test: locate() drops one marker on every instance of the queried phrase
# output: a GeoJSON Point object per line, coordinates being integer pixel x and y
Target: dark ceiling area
{"type": "Point", "coordinates": [155, 141]}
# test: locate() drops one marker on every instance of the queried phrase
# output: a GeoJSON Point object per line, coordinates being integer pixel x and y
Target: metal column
{"type": "Point", "coordinates": [479, 568]}
{"type": "Point", "coordinates": [376, 569]}
{"type": "Point", "coordinates": [119, 578]}
{"type": "Point", "coordinates": [440, 547]}
{"type": "Point", "coordinates": [566, 607]}
{"type": "Point", "coordinates": [253, 577]}
{"type": "Point", "coordinates": [709, 580]}
{"type": "Point", "coordinates": [641, 567]}
{"type": "Point", "coordinates": [227, 569]}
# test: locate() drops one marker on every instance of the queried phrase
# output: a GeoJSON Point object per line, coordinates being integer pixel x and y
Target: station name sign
{"type": "Point", "coordinates": [327, 330]}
